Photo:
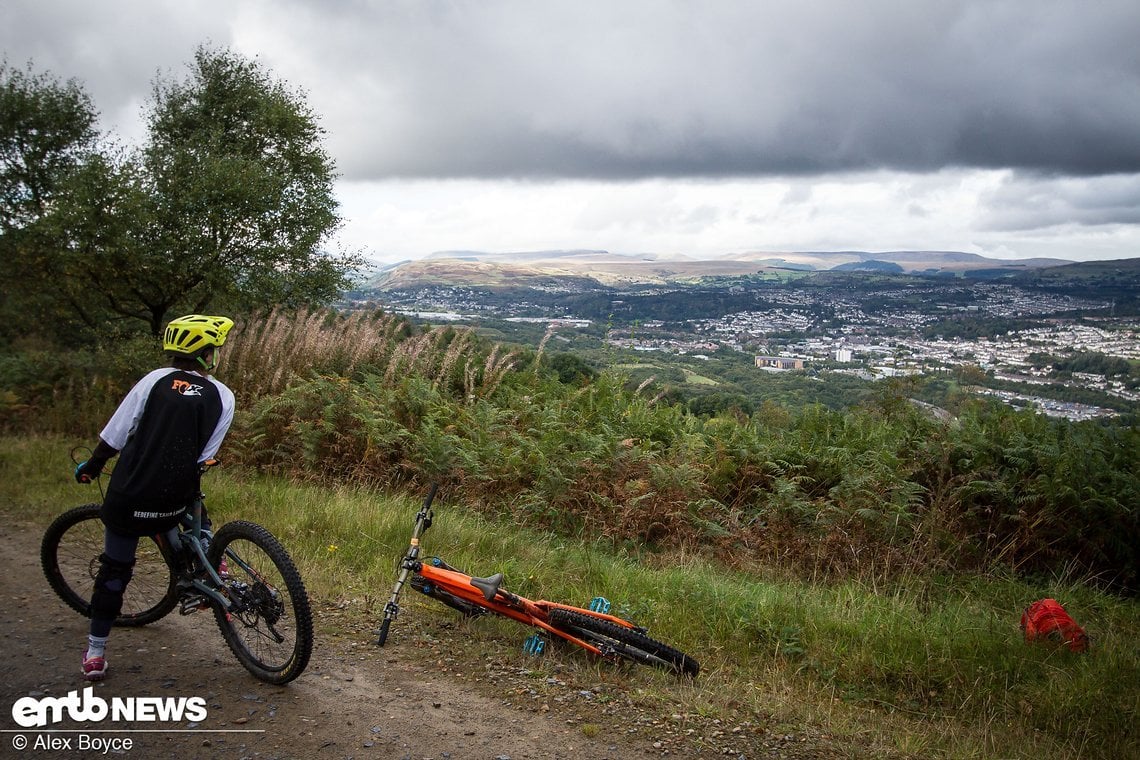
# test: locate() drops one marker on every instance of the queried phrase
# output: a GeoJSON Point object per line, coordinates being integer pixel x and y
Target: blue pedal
{"type": "Point", "coordinates": [600, 604]}
{"type": "Point", "coordinates": [534, 644]}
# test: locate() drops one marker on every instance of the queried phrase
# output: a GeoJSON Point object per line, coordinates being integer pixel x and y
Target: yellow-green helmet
{"type": "Point", "coordinates": [189, 335]}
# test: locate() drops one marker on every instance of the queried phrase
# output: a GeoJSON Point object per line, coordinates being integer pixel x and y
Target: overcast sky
{"type": "Point", "coordinates": [694, 127]}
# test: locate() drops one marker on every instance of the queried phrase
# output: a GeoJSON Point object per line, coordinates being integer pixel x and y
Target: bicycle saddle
{"type": "Point", "coordinates": [489, 586]}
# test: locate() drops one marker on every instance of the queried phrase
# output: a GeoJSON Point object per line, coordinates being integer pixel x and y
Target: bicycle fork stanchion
{"type": "Point", "coordinates": [407, 566]}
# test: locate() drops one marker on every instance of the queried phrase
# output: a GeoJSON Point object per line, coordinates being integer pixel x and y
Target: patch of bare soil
{"type": "Point", "coordinates": [418, 697]}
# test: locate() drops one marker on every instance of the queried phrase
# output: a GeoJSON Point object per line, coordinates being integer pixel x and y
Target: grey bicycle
{"type": "Point", "coordinates": [241, 572]}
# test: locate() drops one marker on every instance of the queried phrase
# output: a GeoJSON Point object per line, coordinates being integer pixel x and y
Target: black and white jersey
{"type": "Point", "coordinates": [169, 422]}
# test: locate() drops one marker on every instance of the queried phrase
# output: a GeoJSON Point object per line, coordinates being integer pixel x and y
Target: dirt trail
{"type": "Point", "coordinates": [408, 700]}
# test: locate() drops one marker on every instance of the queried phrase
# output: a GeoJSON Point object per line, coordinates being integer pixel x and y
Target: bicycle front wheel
{"type": "Point", "coordinates": [69, 555]}
{"type": "Point", "coordinates": [616, 640]}
{"type": "Point", "coordinates": [270, 626]}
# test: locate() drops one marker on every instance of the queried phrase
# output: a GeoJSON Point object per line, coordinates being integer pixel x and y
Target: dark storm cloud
{"type": "Point", "coordinates": [114, 49]}
{"type": "Point", "coordinates": [649, 88]}
{"type": "Point", "coordinates": [635, 89]}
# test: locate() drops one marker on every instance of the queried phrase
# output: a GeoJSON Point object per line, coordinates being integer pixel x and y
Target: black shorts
{"type": "Point", "coordinates": [140, 519]}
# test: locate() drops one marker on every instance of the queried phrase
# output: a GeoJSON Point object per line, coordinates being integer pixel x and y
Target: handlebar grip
{"type": "Point", "coordinates": [82, 472]}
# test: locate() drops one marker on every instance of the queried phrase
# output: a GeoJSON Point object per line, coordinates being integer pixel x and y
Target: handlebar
{"type": "Point", "coordinates": [203, 466]}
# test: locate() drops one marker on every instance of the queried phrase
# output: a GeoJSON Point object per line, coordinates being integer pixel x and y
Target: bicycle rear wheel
{"type": "Point", "coordinates": [69, 555]}
{"type": "Point", "coordinates": [270, 628]}
{"type": "Point", "coordinates": [614, 639]}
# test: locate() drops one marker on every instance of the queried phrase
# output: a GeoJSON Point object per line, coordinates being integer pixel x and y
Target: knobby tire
{"type": "Point", "coordinates": [270, 631]}
{"type": "Point", "coordinates": [69, 555]}
{"type": "Point", "coordinates": [614, 639]}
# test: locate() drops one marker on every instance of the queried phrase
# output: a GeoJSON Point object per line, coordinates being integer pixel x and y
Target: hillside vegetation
{"type": "Point", "coordinates": [839, 569]}
{"type": "Point", "coordinates": [872, 491]}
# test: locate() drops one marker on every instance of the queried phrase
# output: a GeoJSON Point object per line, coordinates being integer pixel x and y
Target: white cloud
{"type": "Point", "coordinates": [668, 125]}
{"type": "Point", "coordinates": [406, 219]}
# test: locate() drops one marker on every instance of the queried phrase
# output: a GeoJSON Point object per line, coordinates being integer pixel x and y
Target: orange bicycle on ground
{"type": "Point", "coordinates": [593, 629]}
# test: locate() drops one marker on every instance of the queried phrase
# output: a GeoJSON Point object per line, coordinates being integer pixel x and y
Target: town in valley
{"type": "Point", "coordinates": [1061, 339]}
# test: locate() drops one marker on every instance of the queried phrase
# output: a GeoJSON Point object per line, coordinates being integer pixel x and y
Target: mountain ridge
{"type": "Point", "coordinates": [601, 268]}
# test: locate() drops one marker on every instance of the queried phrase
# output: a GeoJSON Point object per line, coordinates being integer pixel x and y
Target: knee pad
{"type": "Point", "coordinates": [110, 583]}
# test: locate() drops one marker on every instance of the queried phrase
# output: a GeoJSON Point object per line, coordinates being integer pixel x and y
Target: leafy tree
{"type": "Point", "coordinates": [102, 261]}
{"type": "Point", "coordinates": [1096, 363]}
{"type": "Point", "coordinates": [240, 195]}
{"type": "Point", "coordinates": [226, 206]}
{"type": "Point", "coordinates": [971, 374]}
{"type": "Point", "coordinates": [572, 369]}
{"type": "Point", "coordinates": [47, 133]}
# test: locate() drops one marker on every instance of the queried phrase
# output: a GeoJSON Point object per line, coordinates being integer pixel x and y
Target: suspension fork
{"type": "Point", "coordinates": [408, 565]}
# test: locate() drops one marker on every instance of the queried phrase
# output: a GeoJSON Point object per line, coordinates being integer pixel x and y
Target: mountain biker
{"type": "Point", "coordinates": [171, 421]}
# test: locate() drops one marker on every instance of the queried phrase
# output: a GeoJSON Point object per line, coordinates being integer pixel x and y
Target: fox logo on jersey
{"type": "Point", "coordinates": [187, 389]}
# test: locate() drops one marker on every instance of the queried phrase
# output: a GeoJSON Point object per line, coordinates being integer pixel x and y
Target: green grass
{"type": "Point", "coordinates": [927, 667]}
{"type": "Point", "coordinates": [694, 379]}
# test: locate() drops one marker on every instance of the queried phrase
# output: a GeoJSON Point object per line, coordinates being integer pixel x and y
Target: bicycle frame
{"type": "Point", "coordinates": [190, 538]}
{"type": "Point", "coordinates": [486, 593]}
{"type": "Point", "coordinates": [489, 594]}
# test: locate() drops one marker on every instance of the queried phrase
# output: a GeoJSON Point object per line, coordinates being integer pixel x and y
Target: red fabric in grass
{"type": "Point", "coordinates": [1047, 619]}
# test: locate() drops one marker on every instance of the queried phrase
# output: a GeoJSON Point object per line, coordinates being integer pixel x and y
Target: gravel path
{"type": "Point", "coordinates": [412, 699]}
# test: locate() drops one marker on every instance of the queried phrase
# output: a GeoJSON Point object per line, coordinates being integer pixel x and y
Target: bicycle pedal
{"type": "Point", "coordinates": [534, 645]}
{"type": "Point", "coordinates": [191, 605]}
{"type": "Point", "coordinates": [600, 604]}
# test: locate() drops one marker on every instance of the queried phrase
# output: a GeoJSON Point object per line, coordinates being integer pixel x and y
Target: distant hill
{"type": "Point", "coordinates": [1125, 272]}
{"type": "Point", "coordinates": [595, 268]}
{"type": "Point", "coordinates": [1117, 281]}
{"type": "Point", "coordinates": [911, 262]}
{"type": "Point", "coordinates": [535, 269]}
{"type": "Point", "coordinates": [521, 256]}
{"type": "Point", "coordinates": [872, 265]}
